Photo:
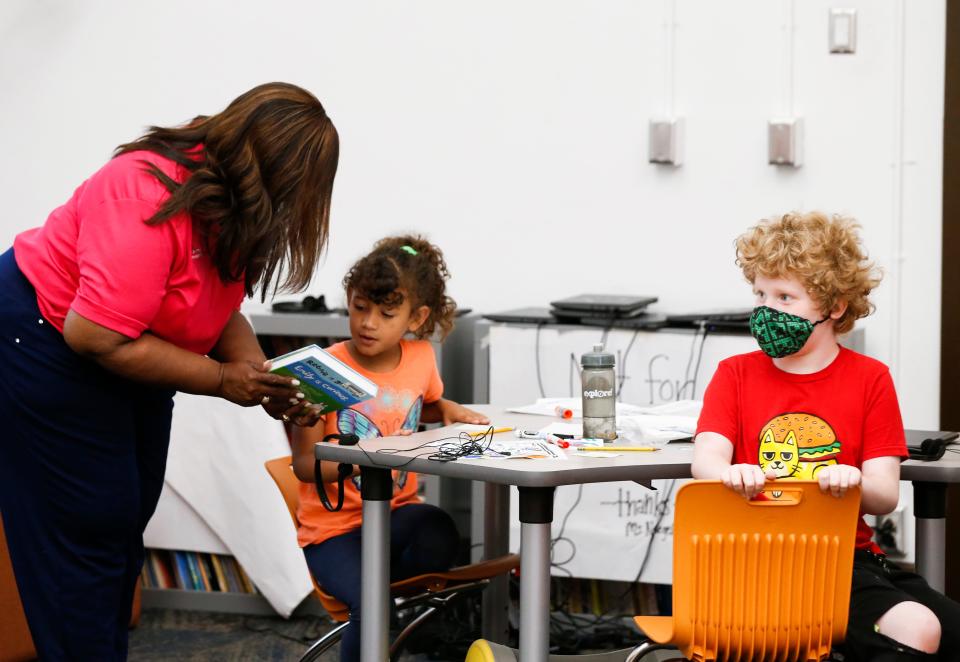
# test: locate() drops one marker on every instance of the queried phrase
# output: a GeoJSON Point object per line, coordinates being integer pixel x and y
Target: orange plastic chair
{"type": "Point", "coordinates": [755, 580]}
{"type": "Point", "coordinates": [16, 644]}
{"type": "Point", "coordinates": [435, 589]}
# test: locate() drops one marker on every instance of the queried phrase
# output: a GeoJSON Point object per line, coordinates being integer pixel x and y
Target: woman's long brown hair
{"type": "Point", "coordinates": [259, 189]}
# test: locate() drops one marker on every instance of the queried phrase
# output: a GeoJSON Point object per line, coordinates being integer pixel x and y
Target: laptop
{"type": "Point", "coordinates": [642, 321]}
{"type": "Point", "coordinates": [725, 316]}
{"type": "Point", "coordinates": [530, 315]}
{"type": "Point", "coordinates": [728, 326]}
{"type": "Point", "coordinates": [614, 305]}
{"type": "Point", "coordinates": [578, 316]}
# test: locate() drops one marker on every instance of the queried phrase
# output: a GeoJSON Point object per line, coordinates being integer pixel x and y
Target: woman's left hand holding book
{"type": "Point", "coordinates": [246, 383]}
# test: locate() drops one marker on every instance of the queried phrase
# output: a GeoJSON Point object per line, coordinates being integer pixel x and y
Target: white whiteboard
{"type": "Point", "coordinates": [660, 366]}
{"type": "Point", "coordinates": [608, 533]}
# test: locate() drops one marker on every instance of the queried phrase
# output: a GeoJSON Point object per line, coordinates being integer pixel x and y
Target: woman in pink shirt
{"type": "Point", "coordinates": [129, 292]}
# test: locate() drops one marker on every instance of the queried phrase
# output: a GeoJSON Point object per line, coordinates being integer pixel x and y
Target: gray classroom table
{"type": "Point", "coordinates": [930, 481]}
{"type": "Point", "coordinates": [536, 481]}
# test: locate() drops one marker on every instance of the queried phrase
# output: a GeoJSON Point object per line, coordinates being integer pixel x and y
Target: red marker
{"type": "Point", "coordinates": [563, 412]}
{"type": "Point", "coordinates": [557, 441]}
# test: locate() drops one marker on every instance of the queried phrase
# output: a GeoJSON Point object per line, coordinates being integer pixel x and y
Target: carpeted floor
{"type": "Point", "coordinates": [166, 635]}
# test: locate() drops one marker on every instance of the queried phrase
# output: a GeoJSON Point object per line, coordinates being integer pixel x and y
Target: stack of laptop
{"type": "Point", "coordinates": [608, 310]}
{"type": "Point", "coordinates": [719, 319]}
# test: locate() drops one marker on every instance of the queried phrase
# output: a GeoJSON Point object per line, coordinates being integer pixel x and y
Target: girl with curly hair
{"type": "Point", "coordinates": [399, 289]}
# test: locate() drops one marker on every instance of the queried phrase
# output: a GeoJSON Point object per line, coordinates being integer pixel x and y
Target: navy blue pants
{"type": "Point", "coordinates": [423, 539]}
{"type": "Point", "coordinates": [82, 456]}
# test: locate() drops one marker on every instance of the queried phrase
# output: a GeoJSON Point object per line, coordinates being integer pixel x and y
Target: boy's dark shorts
{"type": "Point", "coordinates": [878, 585]}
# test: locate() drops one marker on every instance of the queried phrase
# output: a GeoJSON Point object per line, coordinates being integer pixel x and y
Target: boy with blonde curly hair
{"type": "Point", "coordinates": [806, 407]}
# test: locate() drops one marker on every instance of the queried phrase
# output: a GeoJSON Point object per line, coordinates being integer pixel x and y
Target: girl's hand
{"type": "Point", "coordinates": [457, 413]}
{"type": "Point", "coordinates": [838, 478]}
{"type": "Point", "coordinates": [247, 383]}
{"type": "Point", "coordinates": [747, 480]}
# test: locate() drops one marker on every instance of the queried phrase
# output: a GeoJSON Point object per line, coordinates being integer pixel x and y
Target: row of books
{"type": "Point", "coordinates": [597, 596]}
{"type": "Point", "coordinates": [194, 571]}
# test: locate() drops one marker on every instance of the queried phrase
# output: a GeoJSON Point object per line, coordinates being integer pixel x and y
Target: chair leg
{"type": "Point", "coordinates": [644, 648]}
{"type": "Point", "coordinates": [436, 602]}
{"type": "Point", "coordinates": [421, 618]}
{"type": "Point", "coordinates": [324, 643]}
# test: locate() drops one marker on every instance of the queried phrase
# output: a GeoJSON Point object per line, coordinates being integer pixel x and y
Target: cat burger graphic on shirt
{"type": "Point", "coordinates": [797, 445]}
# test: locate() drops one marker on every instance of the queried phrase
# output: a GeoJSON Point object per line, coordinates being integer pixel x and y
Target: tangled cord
{"type": "Point", "coordinates": [577, 628]}
{"type": "Point", "coordinates": [465, 444]}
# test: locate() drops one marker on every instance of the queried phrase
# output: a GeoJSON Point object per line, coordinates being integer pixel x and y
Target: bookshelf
{"type": "Point", "coordinates": [187, 566]}
{"type": "Point", "coordinates": [217, 580]}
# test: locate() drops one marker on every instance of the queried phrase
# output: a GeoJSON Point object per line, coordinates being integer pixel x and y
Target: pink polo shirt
{"type": "Point", "coordinates": [97, 256]}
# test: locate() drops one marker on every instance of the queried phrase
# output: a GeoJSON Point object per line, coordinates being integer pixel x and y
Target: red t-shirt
{"type": "Point", "coordinates": [796, 424]}
{"type": "Point", "coordinates": [97, 256]}
{"type": "Point", "coordinates": [401, 394]}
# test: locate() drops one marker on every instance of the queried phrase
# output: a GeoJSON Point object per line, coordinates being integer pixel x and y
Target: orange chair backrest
{"type": "Point", "coordinates": [762, 579]}
{"type": "Point", "coordinates": [281, 470]}
{"type": "Point", "coordinates": [16, 644]}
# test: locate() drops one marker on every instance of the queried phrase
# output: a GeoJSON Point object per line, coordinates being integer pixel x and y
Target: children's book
{"type": "Point", "coordinates": [221, 576]}
{"type": "Point", "coordinates": [181, 572]}
{"type": "Point", "coordinates": [230, 570]}
{"type": "Point", "coordinates": [324, 379]}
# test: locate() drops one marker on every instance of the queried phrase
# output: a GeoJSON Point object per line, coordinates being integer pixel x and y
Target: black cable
{"type": "Point", "coordinates": [576, 502]}
{"type": "Point", "coordinates": [560, 537]}
{"type": "Point", "coordinates": [465, 444]}
{"type": "Point", "coordinates": [656, 527]}
{"type": "Point", "coordinates": [611, 615]}
{"type": "Point", "coordinates": [696, 370]}
{"type": "Point", "coordinates": [536, 357]}
{"type": "Point", "coordinates": [623, 363]}
{"type": "Point", "coordinates": [608, 615]}
{"type": "Point", "coordinates": [605, 334]}
{"type": "Point", "coordinates": [693, 347]}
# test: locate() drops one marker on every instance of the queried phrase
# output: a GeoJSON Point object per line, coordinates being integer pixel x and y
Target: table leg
{"type": "Point", "coordinates": [930, 510]}
{"type": "Point", "coordinates": [376, 489]}
{"type": "Point", "coordinates": [496, 542]}
{"type": "Point", "coordinates": [536, 515]}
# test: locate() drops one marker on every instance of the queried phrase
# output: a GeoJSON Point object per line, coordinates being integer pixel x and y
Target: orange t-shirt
{"type": "Point", "coordinates": [401, 395]}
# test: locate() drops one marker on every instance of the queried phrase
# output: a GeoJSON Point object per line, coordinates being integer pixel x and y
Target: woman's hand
{"type": "Point", "coordinates": [747, 480]}
{"type": "Point", "coordinates": [838, 478]}
{"type": "Point", "coordinates": [246, 383]}
{"type": "Point", "coordinates": [304, 415]}
{"type": "Point", "coordinates": [292, 410]}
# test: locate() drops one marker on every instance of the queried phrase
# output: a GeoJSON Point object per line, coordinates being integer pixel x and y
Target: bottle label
{"type": "Point", "coordinates": [597, 393]}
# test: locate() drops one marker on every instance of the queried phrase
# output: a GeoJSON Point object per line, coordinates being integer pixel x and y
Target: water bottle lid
{"type": "Point", "coordinates": [597, 358]}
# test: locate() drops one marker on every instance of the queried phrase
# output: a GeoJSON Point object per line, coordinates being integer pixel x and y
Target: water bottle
{"type": "Point", "coordinates": [599, 385]}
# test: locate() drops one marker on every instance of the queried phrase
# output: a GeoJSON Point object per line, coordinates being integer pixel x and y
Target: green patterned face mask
{"type": "Point", "coordinates": [780, 334]}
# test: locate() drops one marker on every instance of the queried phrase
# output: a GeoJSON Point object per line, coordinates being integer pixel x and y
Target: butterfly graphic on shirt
{"type": "Point", "coordinates": [351, 421]}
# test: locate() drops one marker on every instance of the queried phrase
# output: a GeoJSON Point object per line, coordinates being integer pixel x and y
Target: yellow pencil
{"type": "Point", "coordinates": [617, 448]}
{"type": "Point", "coordinates": [481, 433]}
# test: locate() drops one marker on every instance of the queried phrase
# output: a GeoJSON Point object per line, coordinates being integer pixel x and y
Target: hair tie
{"type": "Point", "coordinates": [409, 249]}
